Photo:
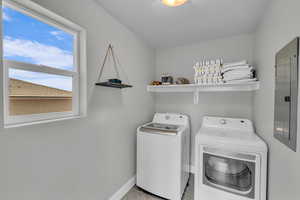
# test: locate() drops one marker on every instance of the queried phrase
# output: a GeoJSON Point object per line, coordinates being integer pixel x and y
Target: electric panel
{"type": "Point", "coordinates": [286, 94]}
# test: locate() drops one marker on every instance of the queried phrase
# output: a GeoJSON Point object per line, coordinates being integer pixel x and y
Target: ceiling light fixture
{"type": "Point", "coordinates": [174, 3]}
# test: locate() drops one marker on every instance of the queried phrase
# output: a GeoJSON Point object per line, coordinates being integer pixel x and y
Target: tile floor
{"type": "Point", "coordinates": [137, 194]}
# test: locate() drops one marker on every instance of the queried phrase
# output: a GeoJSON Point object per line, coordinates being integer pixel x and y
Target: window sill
{"type": "Point", "coordinates": [41, 122]}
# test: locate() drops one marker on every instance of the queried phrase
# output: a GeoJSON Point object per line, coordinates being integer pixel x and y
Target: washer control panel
{"type": "Point", "coordinates": [171, 118]}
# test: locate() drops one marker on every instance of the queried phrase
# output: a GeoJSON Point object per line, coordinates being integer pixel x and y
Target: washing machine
{"type": "Point", "coordinates": [230, 161]}
{"type": "Point", "coordinates": [163, 155]}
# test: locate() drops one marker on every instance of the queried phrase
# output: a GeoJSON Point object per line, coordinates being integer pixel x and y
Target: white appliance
{"type": "Point", "coordinates": [163, 155]}
{"type": "Point", "coordinates": [231, 161]}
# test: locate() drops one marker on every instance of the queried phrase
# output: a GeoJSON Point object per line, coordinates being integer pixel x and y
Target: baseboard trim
{"type": "Point", "coordinates": [130, 183]}
{"type": "Point", "coordinates": [123, 190]}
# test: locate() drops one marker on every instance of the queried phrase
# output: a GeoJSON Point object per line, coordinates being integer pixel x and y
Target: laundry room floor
{"type": "Point", "coordinates": [137, 194]}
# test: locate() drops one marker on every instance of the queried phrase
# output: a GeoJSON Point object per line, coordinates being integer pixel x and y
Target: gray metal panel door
{"type": "Point", "coordinates": [286, 94]}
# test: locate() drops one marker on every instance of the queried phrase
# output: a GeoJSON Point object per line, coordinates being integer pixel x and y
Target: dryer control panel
{"type": "Point", "coordinates": [228, 123]}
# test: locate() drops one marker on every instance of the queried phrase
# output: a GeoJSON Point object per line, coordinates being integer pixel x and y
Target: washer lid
{"type": "Point", "coordinates": [162, 127]}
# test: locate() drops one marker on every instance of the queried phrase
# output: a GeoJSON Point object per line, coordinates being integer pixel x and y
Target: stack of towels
{"type": "Point", "coordinates": [238, 72]}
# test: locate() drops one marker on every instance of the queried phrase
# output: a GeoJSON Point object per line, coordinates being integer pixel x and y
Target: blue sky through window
{"type": "Point", "coordinates": [29, 40]}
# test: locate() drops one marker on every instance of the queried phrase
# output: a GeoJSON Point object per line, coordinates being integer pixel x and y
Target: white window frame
{"type": "Point", "coordinates": [79, 93]}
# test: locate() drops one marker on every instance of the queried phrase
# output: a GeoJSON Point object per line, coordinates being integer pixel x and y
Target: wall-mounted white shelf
{"type": "Point", "coordinates": [196, 89]}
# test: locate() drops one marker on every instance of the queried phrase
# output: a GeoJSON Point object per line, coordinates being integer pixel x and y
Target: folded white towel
{"type": "Point", "coordinates": [237, 77]}
{"type": "Point", "coordinates": [239, 72]}
{"type": "Point", "coordinates": [243, 62]}
{"type": "Point", "coordinates": [242, 80]}
{"type": "Point", "coordinates": [238, 67]}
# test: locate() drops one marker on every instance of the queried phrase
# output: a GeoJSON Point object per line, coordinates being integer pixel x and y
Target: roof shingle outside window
{"type": "Point", "coordinates": [24, 89]}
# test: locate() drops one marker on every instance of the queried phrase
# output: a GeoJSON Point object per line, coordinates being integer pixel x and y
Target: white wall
{"type": "Point", "coordinates": [87, 158]}
{"type": "Point", "coordinates": [179, 61]}
{"type": "Point", "coordinates": [279, 26]}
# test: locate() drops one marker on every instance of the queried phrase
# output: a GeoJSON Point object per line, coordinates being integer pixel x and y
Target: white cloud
{"type": "Point", "coordinates": [39, 53]}
{"type": "Point", "coordinates": [57, 34]}
{"type": "Point", "coordinates": [6, 17]}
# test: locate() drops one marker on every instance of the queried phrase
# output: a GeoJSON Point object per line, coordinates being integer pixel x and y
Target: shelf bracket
{"type": "Point", "coordinates": [196, 96]}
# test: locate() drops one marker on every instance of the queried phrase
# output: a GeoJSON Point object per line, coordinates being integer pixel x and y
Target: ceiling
{"type": "Point", "coordinates": [198, 20]}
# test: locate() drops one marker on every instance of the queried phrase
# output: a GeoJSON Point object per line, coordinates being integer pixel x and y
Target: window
{"type": "Point", "coordinates": [43, 65]}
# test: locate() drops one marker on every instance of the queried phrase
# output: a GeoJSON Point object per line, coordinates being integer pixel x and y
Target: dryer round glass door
{"type": "Point", "coordinates": [229, 174]}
